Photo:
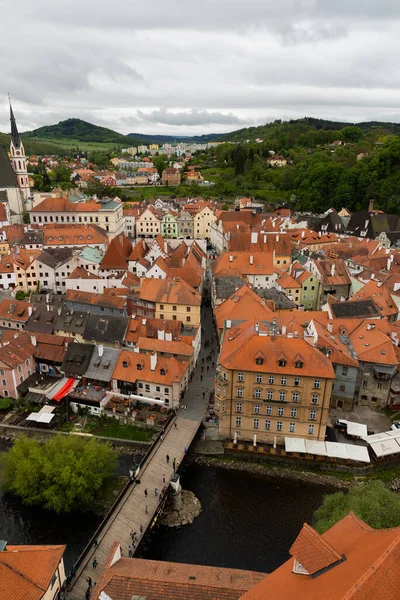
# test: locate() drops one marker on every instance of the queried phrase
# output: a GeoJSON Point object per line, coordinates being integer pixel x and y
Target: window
{"type": "Point", "coordinates": [259, 360]}
{"type": "Point", "coordinates": [292, 427]}
{"type": "Point", "coordinates": [188, 309]}
{"type": "Point", "coordinates": [283, 380]}
{"type": "Point", "coordinates": [342, 388]}
{"type": "Point", "coordinates": [258, 378]}
{"type": "Point", "coordinates": [281, 411]}
{"type": "Point", "coordinates": [224, 376]}
{"type": "Point", "coordinates": [19, 368]}
{"type": "Point", "coordinates": [257, 393]}
{"type": "Point", "coordinates": [313, 415]}
{"type": "Point", "coordinates": [239, 392]}
{"type": "Point", "coordinates": [282, 396]}
{"type": "Point", "coordinates": [3, 382]}
{"type": "Point", "coordinates": [2, 370]}
{"type": "Point", "coordinates": [365, 383]}
{"type": "Point", "coordinates": [166, 390]}
{"type": "Point", "coordinates": [187, 319]}
{"type": "Point", "coordinates": [256, 423]}
{"type": "Point", "coordinates": [161, 316]}
{"type": "Point", "coordinates": [293, 413]}
{"type": "Point", "coordinates": [147, 387]}
{"type": "Point", "coordinates": [267, 424]}
{"type": "Point", "coordinates": [218, 391]}
{"type": "Point", "coordinates": [317, 383]}
{"type": "Point", "coordinates": [271, 379]}
{"type": "Point", "coordinates": [298, 364]}
{"type": "Point", "coordinates": [21, 379]}
{"type": "Point", "coordinates": [270, 395]}
{"type": "Point", "coordinates": [379, 385]}
{"type": "Point", "coordinates": [314, 399]}
{"type": "Point", "coordinates": [161, 306]}
{"type": "Point", "coordinates": [279, 425]}
{"type": "Point", "coordinates": [268, 410]}
{"type": "Point", "coordinates": [140, 385]}
{"type": "Point", "coordinates": [281, 363]}
{"type": "Point", "coordinates": [158, 389]}
{"type": "Point", "coordinates": [174, 308]}
{"type": "Point", "coordinates": [296, 381]}
{"type": "Point", "coordinates": [240, 377]}
{"type": "Point", "coordinates": [310, 429]}
{"type": "Point", "coordinates": [5, 393]}
{"type": "Point", "coordinates": [238, 421]}
{"type": "Point", "coordinates": [238, 407]}
{"type": "Point", "coordinates": [257, 409]}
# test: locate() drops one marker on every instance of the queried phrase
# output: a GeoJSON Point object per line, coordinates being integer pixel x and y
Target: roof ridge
{"type": "Point", "coordinates": [373, 568]}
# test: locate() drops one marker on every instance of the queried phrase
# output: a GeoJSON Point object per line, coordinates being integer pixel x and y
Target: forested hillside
{"type": "Point", "coordinates": [362, 164]}
{"type": "Point", "coordinates": [78, 130]}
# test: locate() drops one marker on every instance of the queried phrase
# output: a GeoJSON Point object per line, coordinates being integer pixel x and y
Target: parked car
{"type": "Point", "coordinates": [395, 425]}
{"type": "Point", "coordinates": [341, 424]}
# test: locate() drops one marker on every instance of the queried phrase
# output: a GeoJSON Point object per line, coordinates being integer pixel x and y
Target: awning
{"type": "Point", "coordinates": [385, 448]}
{"type": "Point", "coordinates": [315, 447]}
{"type": "Point", "coordinates": [357, 429]}
{"type": "Point", "coordinates": [295, 445]}
{"type": "Point", "coordinates": [385, 369]}
{"type": "Point", "coordinates": [63, 388]}
{"type": "Point", "coordinates": [336, 450]}
{"type": "Point", "coordinates": [358, 453]}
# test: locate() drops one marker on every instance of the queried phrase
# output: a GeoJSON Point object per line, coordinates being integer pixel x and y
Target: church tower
{"type": "Point", "coordinates": [18, 159]}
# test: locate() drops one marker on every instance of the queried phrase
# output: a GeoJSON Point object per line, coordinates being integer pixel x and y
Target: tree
{"type": "Point", "coordinates": [20, 295]}
{"type": "Point", "coordinates": [372, 502]}
{"type": "Point", "coordinates": [63, 474]}
{"type": "Point", "coordinates": [351, 134]}
{"type": "Point", "coordinates": [160, 164]}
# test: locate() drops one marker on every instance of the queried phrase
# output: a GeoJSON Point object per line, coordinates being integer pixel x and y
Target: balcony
{"type": "Point", "coordinates": [91, 393]}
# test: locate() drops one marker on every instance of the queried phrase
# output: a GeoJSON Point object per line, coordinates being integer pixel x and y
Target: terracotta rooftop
{"type": "Point", "coordinates": [242, 305]}
{"type": "Point", "coordinates": [381, 297]}
{"type": "Point", "coordinates": [242, 345]}
{"type": "Point", "coordinates": [369, 567]}
{"type": "Point", "coordinates": [95, 299]}
{"type": "Point", "coordinates": [149, 328]}
{"type": "Point", "coordinates": [117, 253]}
{"type": "Point", "coordinates": [165, 346]}
{"type": "Point", "coordinates": [132, 366]}
{"type": "Point", "coordinates": [248, 263]}
{"type": "Point", "coordinates": [156, 580]}
{"type": "Point", "coordinates": [26, 571]}
{"type": "Point", "coordinates": [63, 205]}
{"type": "Point", "coordinates": [15, 310]}
{"type": "Point", "coordinates": [82, 273]}
{"type": "Point", "coordinates": [169, 291]}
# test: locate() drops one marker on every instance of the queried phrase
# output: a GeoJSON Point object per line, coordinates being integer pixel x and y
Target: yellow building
{"type": "Point", "coordinates": [26, 270]}
{"type": "Point", "coordinates": [203, 221]}
{"type": "Point", "coordinates": [153, 147]}
{"type": "Point", "coordinates": [173, 299]}
{"type": "Point", "coordinates": [271, 386]}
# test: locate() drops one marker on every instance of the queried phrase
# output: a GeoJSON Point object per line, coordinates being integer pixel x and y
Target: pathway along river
{"type": "Point", "coordinates": [247, 522]}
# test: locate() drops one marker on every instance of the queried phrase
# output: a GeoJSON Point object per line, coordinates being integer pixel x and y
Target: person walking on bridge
{"type": "Point", "coordinates": [94, 563]}
{"type": "Point", "coordinates": [167, 459]}
{"type": "Point", "coordinates": [145, 493]}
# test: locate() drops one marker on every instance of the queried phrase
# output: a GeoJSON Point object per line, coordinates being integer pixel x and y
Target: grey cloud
{"type": "Point", "coordinates": [192, 117]}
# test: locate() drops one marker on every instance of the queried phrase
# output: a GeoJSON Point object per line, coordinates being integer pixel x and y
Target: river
{"type": "Point", "coordinates": [247, 521]}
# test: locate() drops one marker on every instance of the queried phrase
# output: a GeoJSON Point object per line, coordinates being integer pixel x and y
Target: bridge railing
{"type": "Point", "coordinates": [146, 457]}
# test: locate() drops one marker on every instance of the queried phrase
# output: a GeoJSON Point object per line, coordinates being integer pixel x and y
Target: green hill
{"type": "Point", "coordinates": [76, 129]}
{"type": "Point", "coordinates": [170, 139]}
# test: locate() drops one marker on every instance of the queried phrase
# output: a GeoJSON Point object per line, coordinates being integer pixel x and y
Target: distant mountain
{"type": "Point", "coordinates": [76, 129]}
{"type": "Point", "coordinates": [171, 139]}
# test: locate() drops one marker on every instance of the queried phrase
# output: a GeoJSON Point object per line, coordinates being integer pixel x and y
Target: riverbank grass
{"type": "Point", "coordinates": [113, 429]}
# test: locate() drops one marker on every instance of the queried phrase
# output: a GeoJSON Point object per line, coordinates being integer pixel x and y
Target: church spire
{"type": "Point", "coordinates": [14, 131]}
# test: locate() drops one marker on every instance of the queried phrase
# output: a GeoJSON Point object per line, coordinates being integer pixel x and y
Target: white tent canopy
{"type": "Point", "coordinates": [43, 416]}
{"type": "Point", "coordinates": [295, 445]}
{"type": "Point", "coordinates": [336, 450]}
{"type": "Point", "coordinates": [386, 447]}
{"type": "Point", "coordinates": [315, 447]}
{"type": "Point", "coordinates": [356, 429]}
{"type": "Point", "coordinates": [358, 453]}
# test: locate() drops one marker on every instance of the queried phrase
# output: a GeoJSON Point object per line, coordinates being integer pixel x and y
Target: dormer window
{"type": "Point", "coordinates": [281, 362]}
{"type": "Point", "coordinates": [259, 360]}
{"type": "Point", "coordinates": [162, 371]}
{"type": "Point", "coordinates": [298, 364]}
{"type": "Point", "coordinates": [125, 364]}
{"type": "Point", "coordinates": [139, 367]}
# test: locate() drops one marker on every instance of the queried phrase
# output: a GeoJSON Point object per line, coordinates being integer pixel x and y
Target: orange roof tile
{"type": "Point", "coordinates": [242, 343]}
{"type": "Point", "coordinates": [26, 571]}
{"type": "Point", "coordinates": [242, 305]}
{"type": "Point", "coordinates": [165, 346]}
{"type": "Point", "coordinates": [169, 291]}
{"type": "Point", "coordinates": [82, 273]}
{"type": "Point", "coordinates": [63, 205]}
{"type": "Point", "coordinates": [286, 281]}
{"type": "Point", "coordinates": [370, 568]}
{"type": "Point", "coordinates": [15, 310]}
{"type": "Point", "coordinates": [173, 369]}
{"type": "Point", "coordinates": [94, 299]}
{"type": "Point", "coordinates": [380, 295]}
{"type": "Point", "coordinates": [312, 551]}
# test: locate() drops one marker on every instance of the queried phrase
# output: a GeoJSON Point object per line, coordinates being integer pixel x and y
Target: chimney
{"type": "Point", "coordinates": [373, 276]}
{"type": "Point", "coordinates": [33, 340]}
{"type": "Point", "coordinates": [228, 324]}
{"type": "Point", "coordinates": [143, 321]}
{"type": "Point", "coordinates": [161, 334]}
{"type": "Point", "coordinates": [100, 349]}
{"type": "Point", "coordinates": [257, 327]}
{"type": "Point", "coordinates": [389, 263]}
{"type": "Point", "coordinates": [371, 205]}
{"type": "Point", "coordinates": [283, 329]}
{"type": "Point", "coordinates": [303, 233]}
{"type": "Point", "coordinates": [277, 238]}
{"type": "Point", "coordinates": [29, 310]}
{"type": "Point", "coordinates": [330, 327]}
{"type": "Point", "coordinates": [254, 237]}
{"type": "Point", "coordinates": [251, 259]}
{"type": "Point", "coordinates": [332, 270]}
{"type": "Point", "coordinates": [230, 258]}
{"type": "Point", "coordinates": [59, 310]}
{"type": "Point", "coordinates": [237, 226]}
{"type": "Point", "coordinates": [153, 361]}
{"type": "Point", "coordinates": [265, 239]}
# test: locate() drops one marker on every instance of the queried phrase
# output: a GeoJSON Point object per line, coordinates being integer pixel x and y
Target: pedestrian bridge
{"type": "Point", "coordinates": [131, 513]}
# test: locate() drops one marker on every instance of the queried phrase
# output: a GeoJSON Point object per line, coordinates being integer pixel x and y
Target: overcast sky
{"type": "Point", "coordinates": [189, 67]}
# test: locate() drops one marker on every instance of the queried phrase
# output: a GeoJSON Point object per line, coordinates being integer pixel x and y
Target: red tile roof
{"type": "Point", "coordinates": [169, 291]}
{"type": "Point", "coordinates": [369, 569]}
{"type": "Point", "coordinates": [26, 571]}
{"type": "Point", "coordinates": [117, 253]}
